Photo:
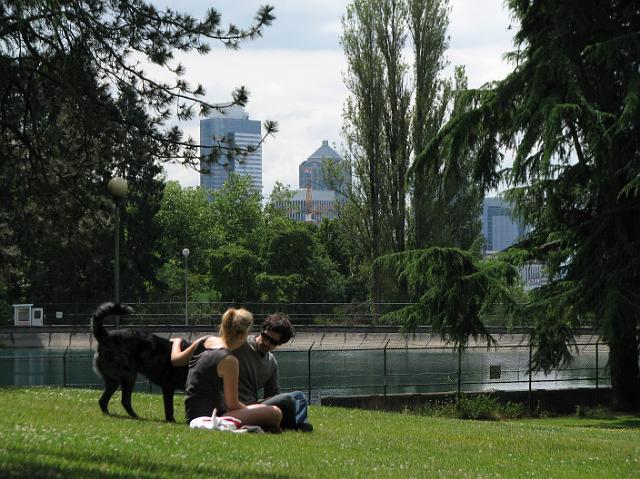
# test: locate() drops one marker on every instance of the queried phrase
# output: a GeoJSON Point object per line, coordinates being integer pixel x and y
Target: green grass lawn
{"type": "Point", "coordinates": [53, 432]}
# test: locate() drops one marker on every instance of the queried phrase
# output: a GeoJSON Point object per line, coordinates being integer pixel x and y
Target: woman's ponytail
{"type": "Point", "coordinates": [235, 324]}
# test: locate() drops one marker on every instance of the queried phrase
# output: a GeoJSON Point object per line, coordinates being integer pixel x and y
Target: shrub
{"type": "Point", "coordinates": [478, 407]}
{"type": "Point", "coordinates": [481, 407]}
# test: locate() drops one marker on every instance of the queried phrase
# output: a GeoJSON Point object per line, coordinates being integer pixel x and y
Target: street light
{"type": "Point", "coordinates": [185, 253]}
{"type": "Point", "coordinates": [118, 188]}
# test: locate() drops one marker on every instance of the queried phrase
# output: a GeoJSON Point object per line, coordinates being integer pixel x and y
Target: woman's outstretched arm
{"type": "Point", "coordinates": [180, 357]}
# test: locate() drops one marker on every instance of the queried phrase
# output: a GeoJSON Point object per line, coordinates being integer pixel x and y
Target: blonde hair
{"type": "Point", "coordinates": [235, 325]}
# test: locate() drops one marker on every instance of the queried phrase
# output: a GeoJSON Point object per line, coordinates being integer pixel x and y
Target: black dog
{"type": "Point", "coordinates": [124, 353]}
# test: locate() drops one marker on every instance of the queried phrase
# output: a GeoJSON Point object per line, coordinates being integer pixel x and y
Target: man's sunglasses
{"type": "Point", "coordinates": [269, 339]}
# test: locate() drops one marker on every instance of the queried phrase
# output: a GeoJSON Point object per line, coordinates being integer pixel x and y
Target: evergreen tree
{"type": "Point", "coordinates": [571, 111]}
{"type": "Point", "coordinates": [453, 292]}
{"type": "Point", "coordinates": [107, 36]}
{"type": "Point", "coordinates": [54, 192]}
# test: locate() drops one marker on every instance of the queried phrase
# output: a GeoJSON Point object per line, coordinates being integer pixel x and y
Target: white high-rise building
{"type": "Point", "coordinates": [499, 228]}
{"type": "Point", "coordinates": [231, 128]}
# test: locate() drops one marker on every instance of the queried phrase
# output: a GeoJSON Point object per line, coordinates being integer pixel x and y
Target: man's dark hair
{"type": "Point", "coordinates": [279, 323]}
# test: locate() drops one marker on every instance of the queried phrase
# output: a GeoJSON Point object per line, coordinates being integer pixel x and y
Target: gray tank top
{"type": "Point", "coordinates": [204, 391]}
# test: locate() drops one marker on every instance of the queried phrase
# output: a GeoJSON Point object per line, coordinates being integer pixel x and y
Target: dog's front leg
{"type": "Point", "coordinates": [167, 396]}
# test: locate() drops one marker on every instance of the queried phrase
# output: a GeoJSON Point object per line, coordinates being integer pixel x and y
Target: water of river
{"type": "Point", "coordinates": [342, 372]}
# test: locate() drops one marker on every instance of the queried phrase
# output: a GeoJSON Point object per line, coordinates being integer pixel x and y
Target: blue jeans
{"type": "Point", "coordinates": [288, 405]}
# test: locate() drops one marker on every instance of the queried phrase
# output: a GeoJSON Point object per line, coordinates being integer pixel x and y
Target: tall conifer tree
{"type": "Point", "coordinates": [571, 112]}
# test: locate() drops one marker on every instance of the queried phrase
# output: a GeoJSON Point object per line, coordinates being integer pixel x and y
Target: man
{"type": "Point", "coordinates": [259, 370]}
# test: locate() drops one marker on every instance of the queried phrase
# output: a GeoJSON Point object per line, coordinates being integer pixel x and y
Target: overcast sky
{"type": "Point", "coordinates": [294, 73]}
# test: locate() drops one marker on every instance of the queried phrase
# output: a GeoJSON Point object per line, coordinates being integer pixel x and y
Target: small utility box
{"type": "Point", "coordinates": [495, 371]}
{"type": "Point", "coordinates": [27, 315]}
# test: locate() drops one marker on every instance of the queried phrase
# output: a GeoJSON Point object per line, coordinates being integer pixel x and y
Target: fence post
{"type": "Point", "coordinates": [459, 376]}
{"type": "Point", "coordinates": [530, 359]}
{"type": "Point", "coordinates": [64, 367]}
{"type": "Point", "coordinates": [385, 371]}
{"type": "Point", "coordinates": [309, 369]}
{"type": "Point", "coordinates": [597, 371]}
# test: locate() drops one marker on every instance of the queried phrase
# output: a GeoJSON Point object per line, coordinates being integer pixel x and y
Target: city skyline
{"type": "Point", "coordinates": [294, 73]}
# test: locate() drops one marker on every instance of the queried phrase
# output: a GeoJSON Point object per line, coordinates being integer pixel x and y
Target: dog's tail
{"type": "Point", "coordinates": [104, 310]}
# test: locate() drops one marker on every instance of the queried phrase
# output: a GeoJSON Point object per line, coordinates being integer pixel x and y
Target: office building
{"type": "Point", "coordinates": [313, 171]}
{"type": "Point", "coordinates": [316, 199]}
{"type": "Point", "coordinates": [499, 228]}
{"type": "Point", "coordinates": [231, 129]}
{"type": "Point", "coordinates": [500, 231]}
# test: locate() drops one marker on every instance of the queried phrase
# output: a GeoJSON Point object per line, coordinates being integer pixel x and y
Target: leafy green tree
{"type": "Point", "coordinates": [237, 212]}
{"type": "Point", "coordinates": [390, 115]}
{"type": "Point", "coordinates": [187, 221]}
{"type": "Point", "coordinates": [278, 205]}
{"type": "Point", "coordinates": [233, 272]}
{"type": "Point", "coordinates": [223, 232]}
{"type": "Point", "coordinates": [428, 23]}
{"type": "Point", "coordinates": [391, 33]}
{"type": "Point", "coordinates": [447, 200]}
{"type": "Point", "coordinates": [297, 266]}
{"type": "Point", "coordinates": [362, 130]}
{"type": "Point", "coordinates": [139, 260]}
{"type": "Point", "coordinates": [570, 112]}
{"type": "Point", "coordinates": [289, 251]}
{"type": "Point", "coordinates": [280, 288]}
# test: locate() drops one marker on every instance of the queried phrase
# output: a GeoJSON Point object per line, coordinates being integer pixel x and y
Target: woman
{"type": "Point", "coordinates": [212, 382]}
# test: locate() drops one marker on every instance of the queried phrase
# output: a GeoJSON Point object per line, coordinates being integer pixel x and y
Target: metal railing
{"type": "Point", "coordinates": [208, 313]}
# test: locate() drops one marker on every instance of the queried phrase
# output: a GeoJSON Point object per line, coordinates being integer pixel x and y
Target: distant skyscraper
{"type": "Point", "coordinates": [498, 227]}
{"type": "Point", "coordinates": [235, 126]}
{"type": "Point", "coordinates": [312, 171]}
{"type": "Point", "coordinates": [316, 199]}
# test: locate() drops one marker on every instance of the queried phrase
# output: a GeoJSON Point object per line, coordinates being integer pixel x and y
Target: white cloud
{"type": "Point", "coordinates": [300, 86]}
{"type": "Point", "coordinates": [300, 89]}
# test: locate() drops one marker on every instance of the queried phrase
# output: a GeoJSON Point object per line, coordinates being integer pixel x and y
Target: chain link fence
{"type": "Point", "coordinates": [323, 370]}
{"type": "Point", "coordinates": [427, 369]}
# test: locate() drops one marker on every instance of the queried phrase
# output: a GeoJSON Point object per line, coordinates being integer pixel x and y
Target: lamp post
{"type": "Point", "coordinates": [185, 253]}
{"type": "Point", "coordinates": [118, 188]}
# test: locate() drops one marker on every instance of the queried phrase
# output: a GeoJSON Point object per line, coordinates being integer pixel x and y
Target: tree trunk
{"type": "Point", "coordinates": [623, 363]}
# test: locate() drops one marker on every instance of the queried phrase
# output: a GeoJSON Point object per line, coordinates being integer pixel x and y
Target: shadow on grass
{"type": "Point", "coordinates": [126, 417]}
{"type": "Point", "coordinates": [599, 421]}
{"type": "Point", "coordinates": [20, 463]}
{"type": "Point", "coordinates": [613, 423]}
